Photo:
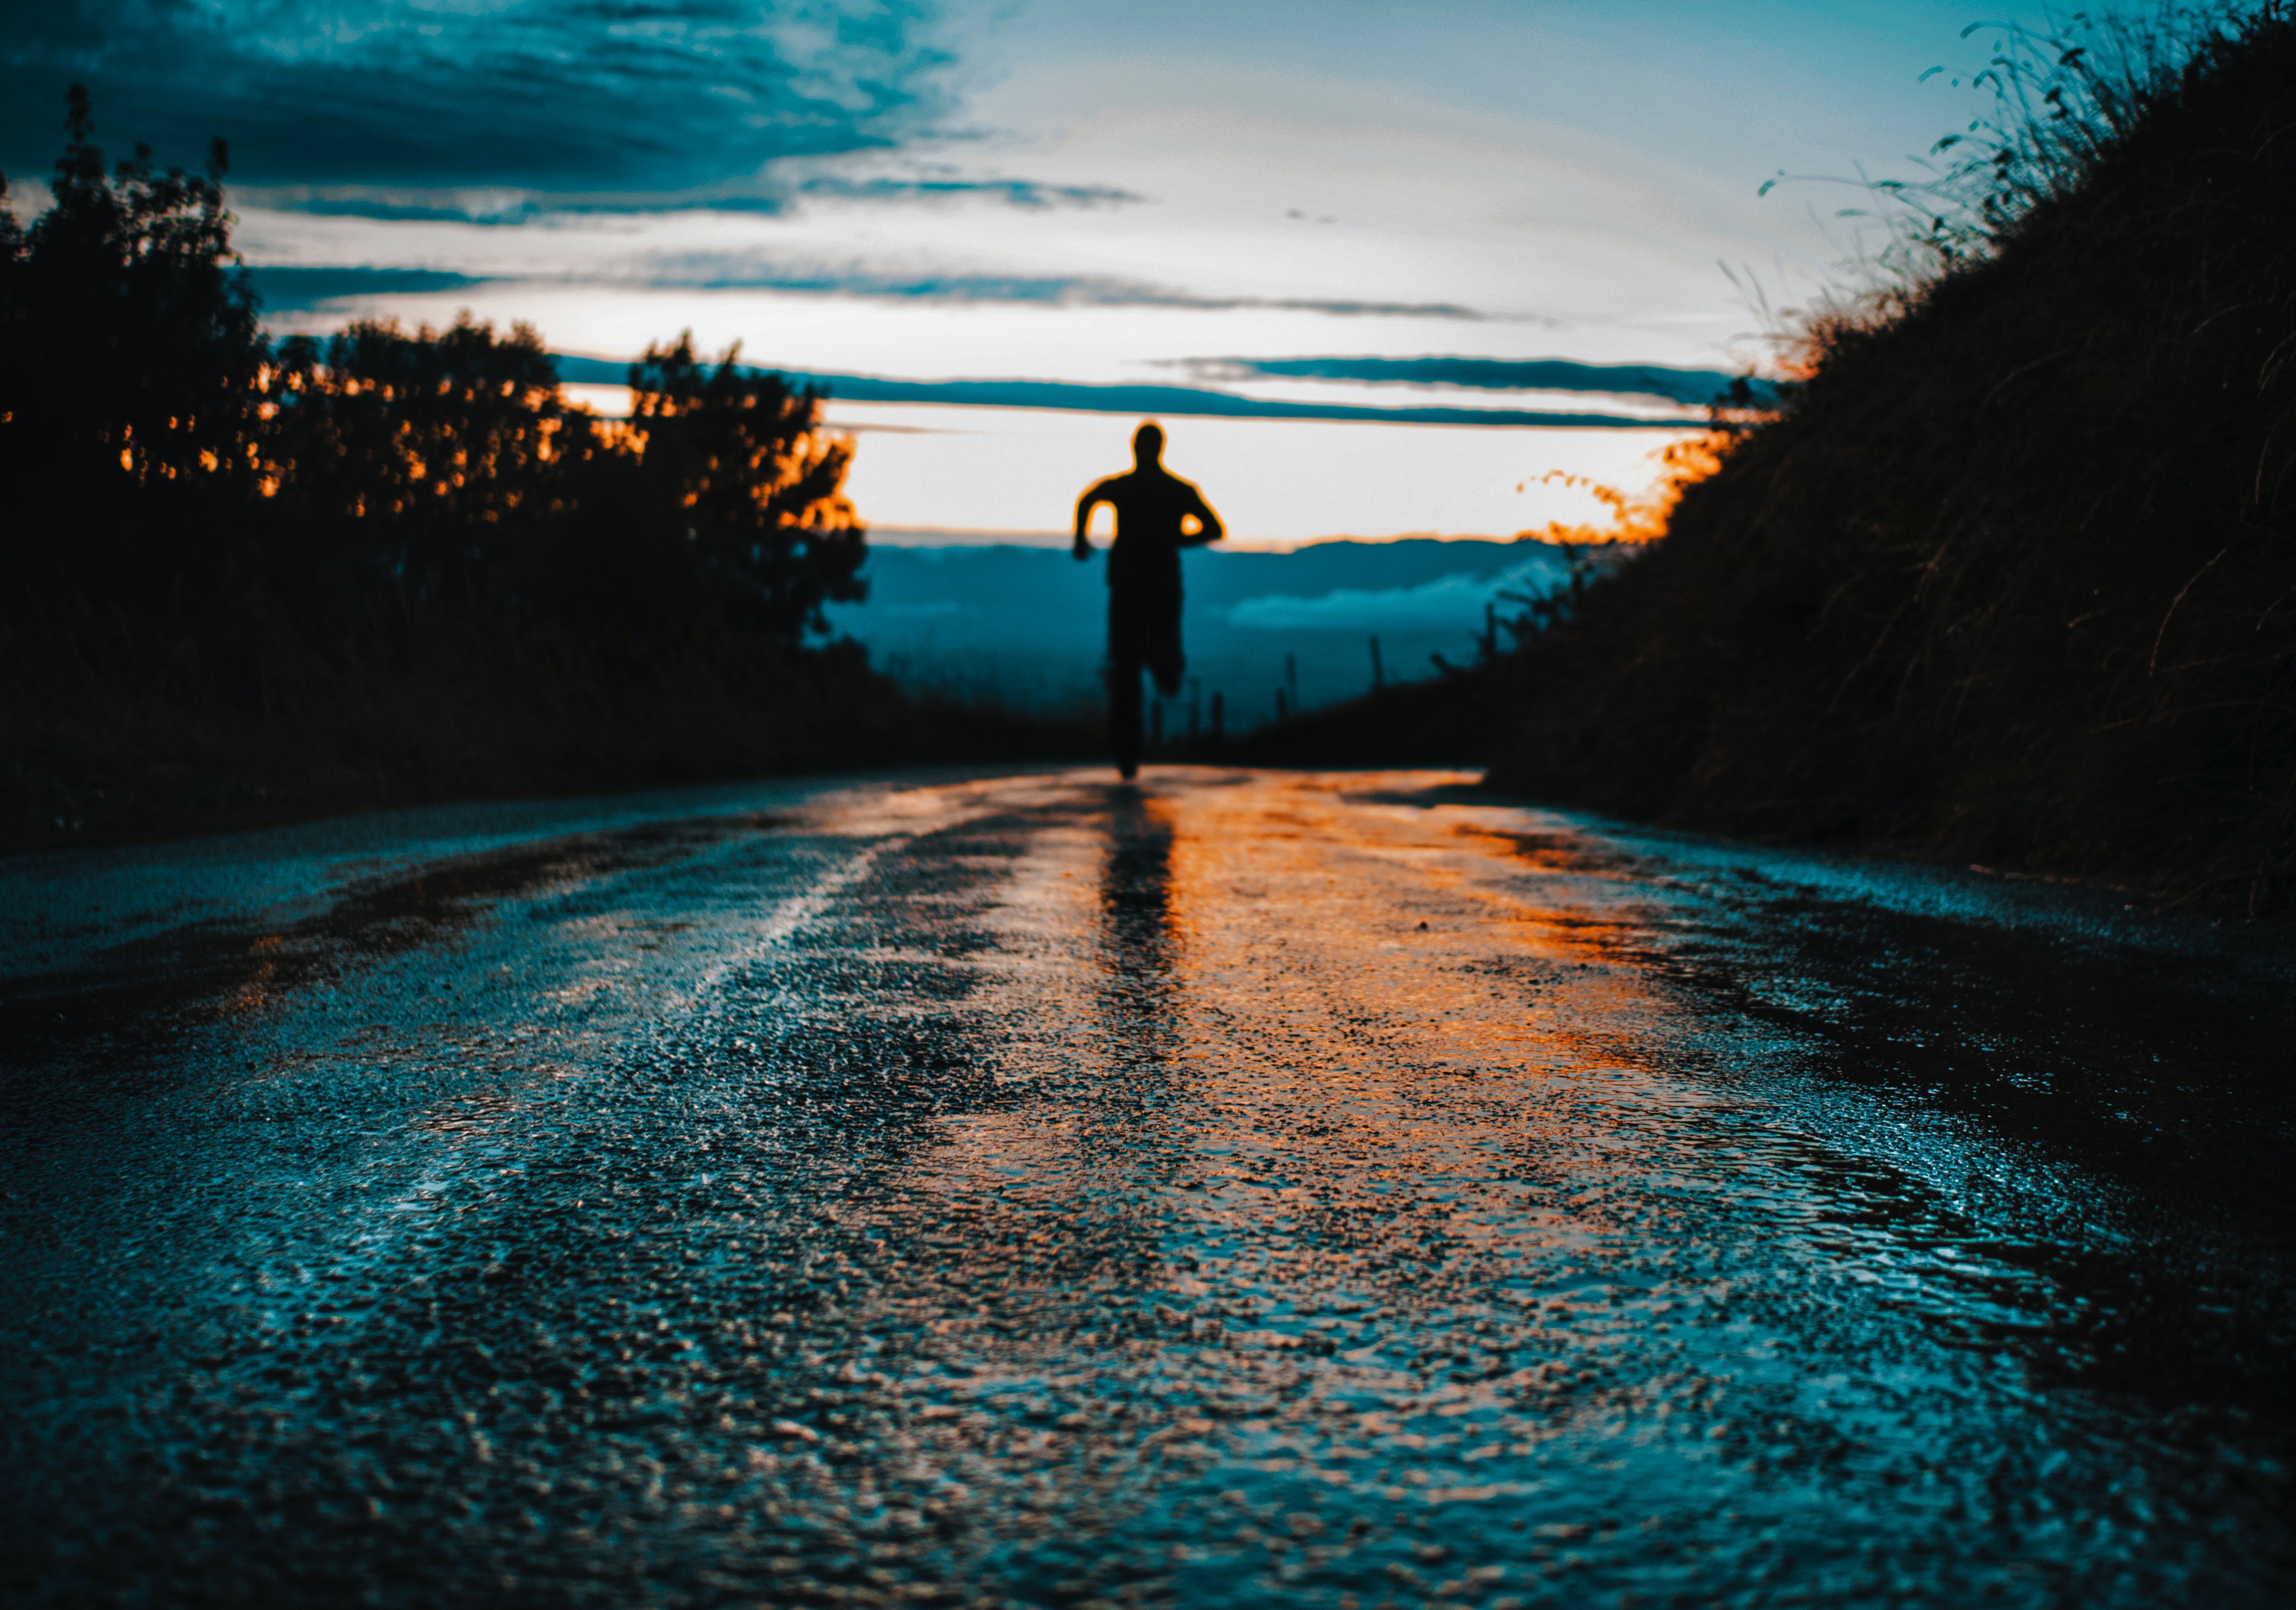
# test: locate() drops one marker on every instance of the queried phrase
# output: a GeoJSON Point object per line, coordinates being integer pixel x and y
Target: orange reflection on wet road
{"type": "Point", "coordinates": [1374, 1209]}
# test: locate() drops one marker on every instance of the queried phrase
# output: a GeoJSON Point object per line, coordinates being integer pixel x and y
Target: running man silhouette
{"type": "Point", "coordinates": [1152, 507]}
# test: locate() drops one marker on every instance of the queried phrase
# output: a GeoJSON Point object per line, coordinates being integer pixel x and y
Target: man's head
{"type": "Point", "coordinates": [1147, 445]}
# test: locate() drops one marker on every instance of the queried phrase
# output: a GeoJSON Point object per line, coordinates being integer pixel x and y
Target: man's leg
{"type": "Point", "coordinates": [1144, 630]}
{"type": "Point", "coordinates": [1124, 709]}
{"type": "Point", "coordinates": [1166, 662]}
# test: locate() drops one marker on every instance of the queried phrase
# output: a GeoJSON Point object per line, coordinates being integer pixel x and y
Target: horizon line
{"type": "Point", "coordinates": [953, 537]}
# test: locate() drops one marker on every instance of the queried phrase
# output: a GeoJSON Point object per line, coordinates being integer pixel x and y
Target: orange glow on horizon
{"type": "Point", "coordinates": [1639, 517]}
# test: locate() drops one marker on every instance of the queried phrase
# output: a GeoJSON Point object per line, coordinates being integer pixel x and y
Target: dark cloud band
{"type": "Point", "coordinates": [1012, 193]}
{"type": "Point", "coordinates": [543, 95]}
{"type": "Point", "coordinates": [1172, 401]}
{"type": "Point", "coordinates": [299, 290]}
{"type": "Point", "coordinates": [741, 271]}
{"type": "Point", "coordinates": [768, 194]}
{"type": "Point", "coordinates": [1695, 388]}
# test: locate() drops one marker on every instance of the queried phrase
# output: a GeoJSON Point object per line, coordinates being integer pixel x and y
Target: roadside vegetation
{"type": "Point", "coordinates": [2009, 575]}
{"type": "Point", "coordinates": [245, 581]}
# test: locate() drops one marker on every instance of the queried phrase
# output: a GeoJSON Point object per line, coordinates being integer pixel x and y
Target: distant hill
{"type": "Point", "coordinates": [1027, 624]}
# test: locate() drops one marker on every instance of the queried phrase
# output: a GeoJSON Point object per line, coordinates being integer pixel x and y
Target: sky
{"type": "Point", "coordinates": [1554, 214]}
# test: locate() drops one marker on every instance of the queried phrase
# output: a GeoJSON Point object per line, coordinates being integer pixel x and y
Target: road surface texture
{"type": "Point", "coordinates": [1243, 1189]}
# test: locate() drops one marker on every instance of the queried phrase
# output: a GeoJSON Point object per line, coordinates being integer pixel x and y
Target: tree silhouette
{"type": "Point", "coordinates": [739, 461]}
{"type": "Point", "coordinates": [129, 354]}
{"type": "Point", "coordinates": [432, 456]}
{"type": "Point", "coordinates": [150, 433]}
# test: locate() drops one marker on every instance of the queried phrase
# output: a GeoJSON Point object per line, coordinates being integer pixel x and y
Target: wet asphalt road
{"type": "Point", "coordinates": [1244, 1190]}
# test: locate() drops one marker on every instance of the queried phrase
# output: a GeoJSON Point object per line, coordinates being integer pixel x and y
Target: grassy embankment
{"type": "Point", "coordinates": [2012, 578]}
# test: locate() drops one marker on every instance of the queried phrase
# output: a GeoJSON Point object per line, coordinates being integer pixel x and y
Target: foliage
{"type": "Point", "coordinates": [2013, 576]}
{"type": "Point", "coordinates": [2068, 97]}
{"type": "Point", "coordinates": [243, 582]}
{"type": "Point", "coordinates": [153, 438]}
{"type": "Point", "coordinates": [128, 356]}
{"type": "Point", "coordinates": [741, 453]}
{"type": "Point", "coordinates": [426, 454]}
{"type": "Point", "coordinates": [1638, 517]}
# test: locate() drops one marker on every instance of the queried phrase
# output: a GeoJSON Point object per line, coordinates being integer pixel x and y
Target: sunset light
{"type": "Point", "coordinates": [1055, 805]}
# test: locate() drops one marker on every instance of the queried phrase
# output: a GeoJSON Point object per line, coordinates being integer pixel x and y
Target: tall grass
{"type": "Point", "coordinates": [2069, 98]}
{"type": "Point", "coordinates": [2010, 575]}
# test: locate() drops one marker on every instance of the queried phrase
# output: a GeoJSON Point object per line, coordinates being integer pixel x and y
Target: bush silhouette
{"type": "Point", "coordinates": [129, 360]}
{"type": "Point", "coordinates": [765, 515]}
{"type": "Point", "coordinates": [152, 436]}
{"type": "Point", "coordinates": [242, 580]}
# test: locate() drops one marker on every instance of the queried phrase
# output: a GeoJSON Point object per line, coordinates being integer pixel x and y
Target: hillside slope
{"type": "Point", "coordinates": [2012, 580]}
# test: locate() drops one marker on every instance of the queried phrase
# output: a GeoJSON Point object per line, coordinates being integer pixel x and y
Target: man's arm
{"type": "Point", "coordinates": [1097, 493]}
{"type": "Point", "coordinates": [1212, 529]}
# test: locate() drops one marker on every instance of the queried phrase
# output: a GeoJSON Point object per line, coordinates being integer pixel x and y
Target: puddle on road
{"type": "Point", "coordinates": [1255, 1190]}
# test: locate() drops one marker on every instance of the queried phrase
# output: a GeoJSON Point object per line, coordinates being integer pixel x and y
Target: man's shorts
{"type": "Point", "coordinates": [1146, 631]}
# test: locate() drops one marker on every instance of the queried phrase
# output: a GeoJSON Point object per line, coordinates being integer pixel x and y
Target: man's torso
{"type": "Point", "coordinates": [1150, 505]}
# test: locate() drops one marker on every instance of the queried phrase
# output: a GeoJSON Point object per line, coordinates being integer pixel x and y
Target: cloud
{"type": "Point", "coordinates": [1171, 401]}
{"type": "Point", "coordinates": [1012, 193]}
{"type": "Point", "coordinates": [298, 290]}
{"type": "Point", "coordinates": [584, 96]}
{"type": "Point", "coordinates": [772, 194]}
{"type": "Point", "coordinates": [1694, 387]}
{"type": "Point", "coordinates": [395, 205]}
{"type": "Point", "coordinates": [1448, 601]}
{"type": "Point", "coordinates": [729, 271]}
